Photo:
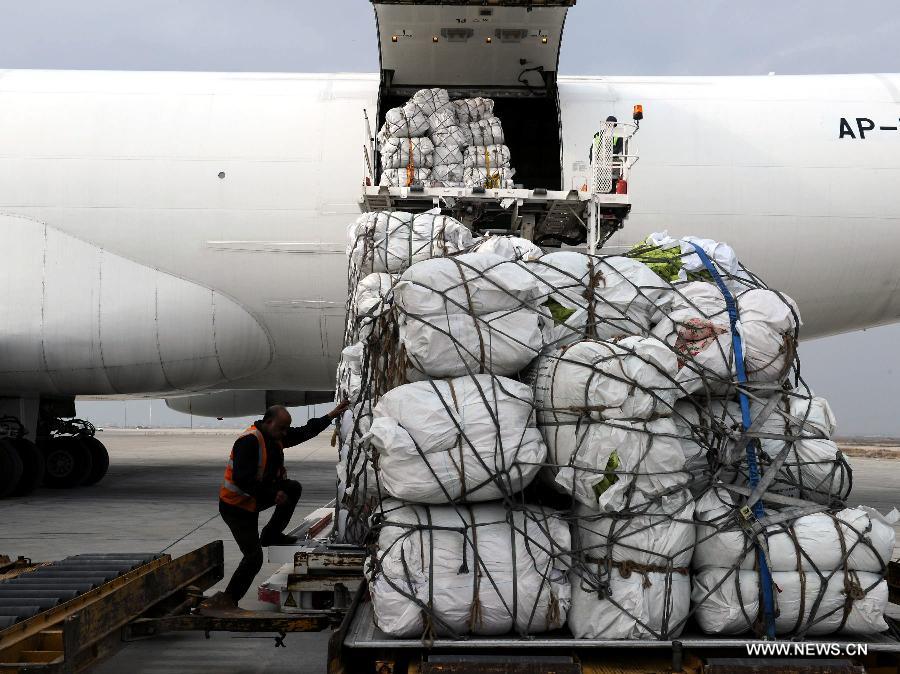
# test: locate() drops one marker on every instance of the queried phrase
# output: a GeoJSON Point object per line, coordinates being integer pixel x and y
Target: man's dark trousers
{"type": "Point", "coordinates": [244, 527]}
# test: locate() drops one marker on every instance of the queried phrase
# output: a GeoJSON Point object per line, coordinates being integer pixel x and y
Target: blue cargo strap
{"type": "Point", "coordinates": [765, 576]}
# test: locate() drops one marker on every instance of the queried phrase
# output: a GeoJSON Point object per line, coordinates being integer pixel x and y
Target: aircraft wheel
{"type": "Point", "coordinates": [99, 459]}
{"type": "Point", "coordinates": [32, 466]}
{"type": "Point", "coordinates": [67, 462]}
{"type": "Point", "coordinates": [10, 468]}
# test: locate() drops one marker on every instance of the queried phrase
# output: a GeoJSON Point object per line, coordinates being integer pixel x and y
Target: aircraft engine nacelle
{"type": "Point", "coordinates": [79, 319]}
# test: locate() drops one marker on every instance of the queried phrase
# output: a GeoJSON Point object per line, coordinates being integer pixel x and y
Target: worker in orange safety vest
{"type": "Point", "coordinates": [255, 480]}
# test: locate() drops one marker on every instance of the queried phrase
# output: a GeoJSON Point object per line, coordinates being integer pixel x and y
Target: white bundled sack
{"type": "Point", "coordinates": [626, 293]}
{"type": "Point", "coordinates": [400, 177]}
{"type": "Point", "coordinates": [408, 121]}
{"type": "Point", "coordinates": [450, 135]}
{"type": "Point", "coordinates": [698, 326]}
{"type": "Point", "coordinates": [631, 378]}
{"type": "Point", "coordinates": [500, 178]}
{"type": "Point", "coordinates": [448, 164]}
{"type": "Point", "coordinates": [392, 241]}
{"type": "Point", "coordinates": [852, 602]}
{"type": "Point", "coordinates": [453, 345]}
{"type": "Point", "coordinates": [865, 534]}
{"type": "Point", "coordinates": [509, 247]}
{"type": "Point", "coordinates": [355, 468]}
{"type": "Point", "coordinates": [479, 283]}
{"type": "Point", "coordinates": [349, 371]}
{"type": "Point", "coordinates": [469, 438]}
{"type": "Point", "coordinates": [615, 466]}
{"type": "Point", "coordinates": [662, 534]}
{"type": "Point", "coordinates": [371, 299]}
{"type": "Point", "coordinates": [480, 155]}
{"type": "Point", "coordinates": [649, 605]}
{"type": "Point", "coordinates": [718, 252]}
{"type": "Point", "coordinates": [479, 570]}
{"type": "Point", "coordinates": [431, 100]}
{"type": "Point", "coordinates": [487, 131]}
{"type": "Point", "coordinates": [473, 109]}
{"type": "Point", "coordinates": [399, 153]}
{"type": "Point", "coordinates": [700, 428]}
{"type": "Point", "coordinates": [813, 466]}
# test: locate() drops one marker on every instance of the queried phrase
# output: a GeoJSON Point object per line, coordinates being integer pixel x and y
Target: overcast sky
{"type": "Point", "coordinates": [857, 372]}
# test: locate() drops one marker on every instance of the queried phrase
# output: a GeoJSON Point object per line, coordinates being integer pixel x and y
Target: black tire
{"type": "Point", "coordinates": [67, 462]}
{"type": "Point", "coordinates": [32, 466]}
{"type": "Point", "coordinates": [99, 459]}
{"type": "Point", "coordinates": [10, 468]}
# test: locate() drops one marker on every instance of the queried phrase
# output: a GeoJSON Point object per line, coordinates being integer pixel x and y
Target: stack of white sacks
{"type": "Point", "coordinates": [436, 141]}
{"type": "Point", "coordinates": [616, 388]}
{"type": "Point", "coordinates": [828, 569]}
{"type": "Point", "coordinates": [448, 453]}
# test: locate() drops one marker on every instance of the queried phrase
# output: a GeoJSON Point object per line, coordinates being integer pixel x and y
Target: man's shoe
{"type": "Point", "coordinates": [278, 539]}
{"type": "Point", "coordinates": [220, 601]}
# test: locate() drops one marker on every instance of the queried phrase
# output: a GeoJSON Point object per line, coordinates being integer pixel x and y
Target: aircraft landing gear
{"type": "Point", "coordinates": [66, 455]}
{"type": "Point", "coordinates": [73, 456]}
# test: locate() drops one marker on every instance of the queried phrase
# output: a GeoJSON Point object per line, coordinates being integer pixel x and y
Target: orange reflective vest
{"type": "Point", "coordinates": [229, 491]}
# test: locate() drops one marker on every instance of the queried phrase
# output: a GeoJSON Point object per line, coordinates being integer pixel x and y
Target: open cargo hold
{"type": "Point", "coordinates": [507, 53]}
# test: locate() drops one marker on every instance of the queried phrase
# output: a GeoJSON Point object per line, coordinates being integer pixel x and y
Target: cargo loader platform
{"type": "Point", "coordinates": [547, 217]}
{"type": "Point", "coordinates": [360, 646]}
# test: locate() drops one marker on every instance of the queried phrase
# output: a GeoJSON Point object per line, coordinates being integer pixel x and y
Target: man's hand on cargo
{"type": "Point", "coordinates": [281, 473]}
{"type": "Point", "coordinates": [339, 410]}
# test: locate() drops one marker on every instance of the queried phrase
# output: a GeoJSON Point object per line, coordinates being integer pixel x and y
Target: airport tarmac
{"type": "Point", "coordinates": [163, 484]}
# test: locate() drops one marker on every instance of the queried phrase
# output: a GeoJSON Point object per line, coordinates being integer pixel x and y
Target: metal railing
{"type": "Point", "coordinates": [608, 165]}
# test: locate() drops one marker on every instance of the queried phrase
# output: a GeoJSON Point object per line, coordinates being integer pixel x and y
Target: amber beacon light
{"type": "Point", "coordinates": [638, 113]}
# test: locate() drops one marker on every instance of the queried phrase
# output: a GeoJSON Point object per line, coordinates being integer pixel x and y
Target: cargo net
{"type": "Point", "coordinates": [620, 446]}
{"type": "Point", "coordinates": [434, 141]}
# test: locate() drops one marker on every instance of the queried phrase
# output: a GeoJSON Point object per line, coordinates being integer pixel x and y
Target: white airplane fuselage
{"type": "Point", "coordinates": [173, 232]}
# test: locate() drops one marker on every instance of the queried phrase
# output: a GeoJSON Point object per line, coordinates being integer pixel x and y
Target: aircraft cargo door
{"type": "Point", "coordinates": [508, 52]}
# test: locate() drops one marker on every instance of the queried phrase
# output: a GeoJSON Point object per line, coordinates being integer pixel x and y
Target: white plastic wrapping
{"type": "Point", "coordinates": [407, 121]}
{"type": "Point", "coordinates": [479, 283]}
{"type": "Point", "coordinates": [481, 570]}
{"type": "Point", "coordinates": [453, 345]}
{"type": "Point", "coordinates": [469, 438]}
{"type": "Point", "coordinates": [355, 469]}
{"type": "Point", "coordinates": [392, 241]}
{"type": "Point", "coordinates": [509, 247]}
{"type": "Point", "coordinates": [718, 252]}
{"type": "Point", "coordinates": [398, 153]}
{"type": "Point", "coordinates": [866, 536]}
{"type": "Point", "coordinates": [451, 135]}
{"type": "Point", "coordinates": [481, 155]}
{"type": "Point", "coordinates": [698, 326]}
{"type": "Point", "coordinates": [473, 109]}
{"type": "Point", "coordinates": [395, 177]}
{"type": "Point", "coordinates": [372, 299]}
{"type": "Point", "coordinates": [617, 465]}
{"type": "Point", "coordinates": [431, 100]}
{"type": "Point", "coordinates": [650, 605]}
{"type": "Point", "coordinates": [631, 378]}
{"type": "Point", "coordinates": [727, 602]}
{"type": "Point", "coordinates": [448, 164]}
{"type": "Point", "coordinates": [500, 178]}
{"type": "Point", "coordinates": [626, 294]}
{"type": "Point", "coordinates": [488, 131]}
{"type": "Point", "coordinates": [350, 371]}
{"type": "Point", "coordinates": [663, 534]}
